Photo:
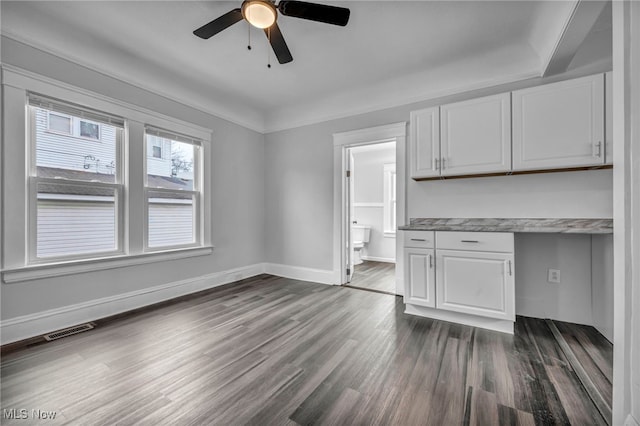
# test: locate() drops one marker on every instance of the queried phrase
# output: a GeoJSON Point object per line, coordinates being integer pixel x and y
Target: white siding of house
{"type": "Point", "coordinates": [170, 224]}
{"type": "Point", "coordinates": [75, 227]}
{"type": "Point", "coordinates": [72, 153]}
{"type": "Point", "coordinates": [158, 166]}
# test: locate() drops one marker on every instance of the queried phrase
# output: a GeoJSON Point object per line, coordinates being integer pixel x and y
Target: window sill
{"type": "Point", "coordinates": [34, 272]}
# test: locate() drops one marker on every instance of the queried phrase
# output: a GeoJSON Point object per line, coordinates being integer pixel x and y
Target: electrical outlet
{"type": "Point", "coordinates": [553, 276]}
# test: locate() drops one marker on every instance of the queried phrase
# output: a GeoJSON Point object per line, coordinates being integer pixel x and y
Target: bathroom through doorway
{"type": "Point", "coordinates": [371, 216]}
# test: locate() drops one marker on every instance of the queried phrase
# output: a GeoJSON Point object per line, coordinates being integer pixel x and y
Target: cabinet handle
{"type": "Point", "coordinates": [599, 146]}
{"type": "Point", "coordinates": [443, 160]}
{"type": "Point", "coordinates": [418, 239]}
{"type": "Point", "coordinates": [469, 241]}
{"type": "Point", "coordinates": [430, 261]}
{"type": "Point", "coordinates": [509, 263]}
{"type": "Point", "coordinates": [437, 163]}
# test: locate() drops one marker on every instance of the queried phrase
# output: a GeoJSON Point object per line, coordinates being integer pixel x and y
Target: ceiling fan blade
{"type": "Point", "coordinates": [279, 45]}
{"type": "Point", "coordinates": [315, 12]}
{"type": "Point", "coordinates": [222, 23]}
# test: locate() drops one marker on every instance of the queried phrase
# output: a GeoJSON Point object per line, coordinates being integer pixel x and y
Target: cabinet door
{"type": "Point", "coordinates": [424, 152]}
{"type": "Point", "coordinates": [608, 118]}
{"type": "Point", "coordinates": [478, 283]}
{"type": "Point", "coordinates": [559, 125]}
{"type": "Point", "coordinates": [476, 136]}
{"type": "Point", "coordinates": [419, 276]}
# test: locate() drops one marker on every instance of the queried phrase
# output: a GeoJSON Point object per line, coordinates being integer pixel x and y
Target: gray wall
{"type": "Point", "coordinates": [300, 161]}
{"type": "Point", "coordinates": [237, 191]}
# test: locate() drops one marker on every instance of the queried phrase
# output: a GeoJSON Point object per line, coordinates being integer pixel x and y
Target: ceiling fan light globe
{"type": "Point", "coordinates": [260, 14]}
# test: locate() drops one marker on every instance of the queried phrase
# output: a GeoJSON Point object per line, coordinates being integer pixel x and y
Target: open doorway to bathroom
{"type": "Point", "coordinates": [371, 218]}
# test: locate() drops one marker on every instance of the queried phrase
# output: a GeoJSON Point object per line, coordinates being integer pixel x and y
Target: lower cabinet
{"type": "Point", "coordinates": [478, 283]}
{"type": "Point", "coordinates": [466, 272]}
{"type": "Point", "coordinates": [420, 277]}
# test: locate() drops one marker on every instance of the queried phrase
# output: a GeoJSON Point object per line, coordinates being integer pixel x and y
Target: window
{"type": "Point", "coordinates": [73, 126]}
{"type": "Point", "coordinates": [75, 189]}
{"type": "Point", "coordinates": [89, 130]}
{"type": "Point", "coordinates": [389, 214]}
{"type": "Point", "coordinates": [74, 203]}
{"type": "Point", "coordinates": [59, 123]}
{"type": "Point", "coordinates": [172, 189]}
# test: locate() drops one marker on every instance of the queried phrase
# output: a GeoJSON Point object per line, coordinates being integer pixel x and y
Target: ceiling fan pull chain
{"type": "Point", "coordinates": [249, 35]}
{"type": "Point", "coordinates": [269, 50]}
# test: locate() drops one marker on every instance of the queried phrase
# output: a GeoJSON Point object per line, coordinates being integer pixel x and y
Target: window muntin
{"type": "Point", "coordinates": [172, 190]}
{"type": "Point", "coordinates": [75, 206]}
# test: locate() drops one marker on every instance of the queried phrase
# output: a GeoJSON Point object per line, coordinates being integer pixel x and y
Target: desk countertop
{"type": "Point", "coordinates": [559, 225]}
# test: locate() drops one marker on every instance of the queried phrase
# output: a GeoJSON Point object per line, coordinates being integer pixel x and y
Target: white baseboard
{"type": "Point", "coordinates": [321, 276]}
{"type": "Point", "coordinates": [24, 327]}
{"type": "Point", "coordinates": [379, 259]}
{"type": "Point", "coordinates": [504, 326]}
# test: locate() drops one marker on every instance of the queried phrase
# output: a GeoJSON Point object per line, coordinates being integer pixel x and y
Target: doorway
{"type": "Point", "coordinates": [371, 216]}
{"type": "Point", "coordinates": [367, 253]}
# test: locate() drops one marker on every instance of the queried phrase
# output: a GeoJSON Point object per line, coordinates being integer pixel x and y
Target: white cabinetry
{"type": "Point", "coordinates": [473, 274]}
{"type": "Point", "coordinates": [559, 125]}
{"type": "Point", "coordinates": [425, 143]}
{"type": "Point", "coordinates": [461, 138]}
{"type": "Point", "coordinates": [419, 269]}
{"type": "Point", "coordinates": [476, 136]}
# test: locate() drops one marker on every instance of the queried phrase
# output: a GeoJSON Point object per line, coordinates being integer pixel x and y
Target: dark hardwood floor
{"type": "Point", "coordinates": [378, 276]}
{"type": "Point", "coordinates": [275, 351]}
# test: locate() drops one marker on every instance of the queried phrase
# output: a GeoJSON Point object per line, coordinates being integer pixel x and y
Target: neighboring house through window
{"type": "Point", "coordinates": [75, 185]}
{"type": "Point", "coordinates": [74, 126]}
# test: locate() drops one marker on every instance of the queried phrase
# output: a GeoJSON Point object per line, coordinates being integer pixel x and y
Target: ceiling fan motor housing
{"type": "Point", "coordinates": [259, 13]}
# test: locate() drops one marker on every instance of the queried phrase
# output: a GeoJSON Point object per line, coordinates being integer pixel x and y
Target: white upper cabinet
{"type": "Point", "coordinates": [476, 136]}
{"type": "Point", "coordinates": [425, 143]}
{"type": "Point", "coordinates": [608, 120]}
{"type": "Point", "coordinates": [559, 125]}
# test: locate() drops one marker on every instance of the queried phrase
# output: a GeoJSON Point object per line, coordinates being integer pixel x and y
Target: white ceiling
{"type": "Point", "coordinates": [390, 53]}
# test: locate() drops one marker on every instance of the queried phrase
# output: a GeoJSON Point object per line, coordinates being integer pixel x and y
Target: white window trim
{"type": "Point", "coordinates": [17, 83]}
{"type": "Point", "coordinates": [389, 230]}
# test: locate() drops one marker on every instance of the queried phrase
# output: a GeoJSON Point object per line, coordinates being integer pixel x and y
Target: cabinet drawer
{"type": "Point", "coordinates": [475, 241]}
{"type": "Point", "coordinates": [419, 239]}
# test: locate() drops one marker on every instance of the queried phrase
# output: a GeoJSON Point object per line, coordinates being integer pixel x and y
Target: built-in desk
{"type": "Point", "coordinates": [456, 270]}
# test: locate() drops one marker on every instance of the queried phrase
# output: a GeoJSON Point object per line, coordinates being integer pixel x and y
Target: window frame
{"type": "Point", "coordinates": [390, 203]}
{"type": "Point", "coordinates": [33, 180]}
{"type": "Point", "coordinates": [196, 193]}
{"type": "Point", "coordinates": [17, 265]}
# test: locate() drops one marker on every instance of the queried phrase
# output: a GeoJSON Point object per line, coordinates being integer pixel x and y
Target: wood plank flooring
{"type": "Point", "coordinates": [275, 351]}
{"type": "Point", "coordinates": [378, 276]}
{"type": "Point", "coordinates": [594, 352]}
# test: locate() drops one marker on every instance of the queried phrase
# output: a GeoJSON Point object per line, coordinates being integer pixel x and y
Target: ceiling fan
{"type": "Point", "coordinates": [264, 13]}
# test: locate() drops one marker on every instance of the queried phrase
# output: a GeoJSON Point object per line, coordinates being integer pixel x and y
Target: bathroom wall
{"type": "Point", "coordinates": [368, 206]}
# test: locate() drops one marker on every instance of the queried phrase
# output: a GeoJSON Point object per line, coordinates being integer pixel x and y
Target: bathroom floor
{"type": "Point", "coordinates": [378, 276]}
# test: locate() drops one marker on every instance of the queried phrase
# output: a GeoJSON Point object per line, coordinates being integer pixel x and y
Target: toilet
{"type": "Point", "coordinates": [359, 236]}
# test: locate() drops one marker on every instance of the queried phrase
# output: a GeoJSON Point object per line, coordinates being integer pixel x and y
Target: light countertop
{"type": "Point", "coordinates": [551, 225]}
